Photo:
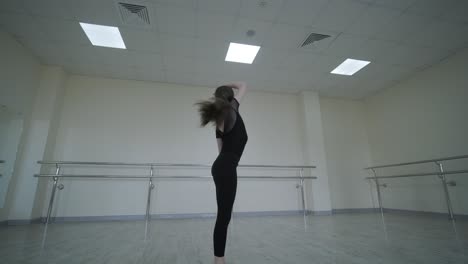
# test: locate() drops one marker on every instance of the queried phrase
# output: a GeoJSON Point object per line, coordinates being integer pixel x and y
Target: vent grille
{"type": "Point", "coordinates": [313, 37]}
{"type": "Point", "coordinates": [134, 14]}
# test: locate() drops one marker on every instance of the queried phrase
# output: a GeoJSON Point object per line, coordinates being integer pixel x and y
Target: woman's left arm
{"type": "Point", "coordinates": [220, 144]}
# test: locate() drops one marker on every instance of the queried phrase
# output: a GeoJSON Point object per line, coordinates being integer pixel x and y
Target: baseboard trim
{"type": "Point", "coordinates": [424, 213]}
{"type": "Point", "coordinates": [321, 213]}
{"type": "Point", "coordinates": [173, 216]}
{"type": "Point", "coordinates": [355, 210]}
{"type": "Point", "coordinates": [236, 214]}
{"type": "Point", "coordinates": [22, 221]}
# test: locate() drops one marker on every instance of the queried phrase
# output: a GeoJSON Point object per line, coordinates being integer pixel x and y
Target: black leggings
{"type": "Point", "coordinates": [224, 173]}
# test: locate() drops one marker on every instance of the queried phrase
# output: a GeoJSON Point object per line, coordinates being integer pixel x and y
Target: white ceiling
{"type": "Point", "coordinates": [188, 39]}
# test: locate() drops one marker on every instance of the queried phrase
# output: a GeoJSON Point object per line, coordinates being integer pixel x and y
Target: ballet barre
{"type": "Point", "coordinates": [59, 165]}
{"type": "Point", "coordinates": [440, 172]}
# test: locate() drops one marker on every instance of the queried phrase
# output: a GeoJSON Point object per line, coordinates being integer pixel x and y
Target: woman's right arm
{"type": "Point", "coordinates": [241, 88]}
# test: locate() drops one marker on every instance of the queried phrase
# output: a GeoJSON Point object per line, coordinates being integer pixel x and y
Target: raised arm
{"type": "Point", "coordinates": [220, 144]}
{"type": "Point", "coordinates": [241, 88]}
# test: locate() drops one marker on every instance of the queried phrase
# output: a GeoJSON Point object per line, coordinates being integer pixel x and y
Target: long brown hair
{"type": "Point", "coordinates": [214, 109]}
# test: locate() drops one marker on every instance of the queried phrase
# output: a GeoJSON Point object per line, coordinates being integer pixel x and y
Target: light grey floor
{"type": "Point", "coordinates": [346, 238]}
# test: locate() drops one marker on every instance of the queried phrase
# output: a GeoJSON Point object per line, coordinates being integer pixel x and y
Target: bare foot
{"type": "Point", "coordinates": [218, 260]}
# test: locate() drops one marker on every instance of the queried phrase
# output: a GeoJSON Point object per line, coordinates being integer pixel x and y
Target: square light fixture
{"type": "Point", "coordinates": [241, 53]}
{"type": "Point", "coordinates": [103, 36]}
{"type": "Point", "coordinates": [350, 67]}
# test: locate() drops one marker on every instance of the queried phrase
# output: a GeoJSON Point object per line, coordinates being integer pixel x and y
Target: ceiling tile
{"type": "Point", "coordinates": [209, 79]}
{"type": "Point", "coordinates": [188, 4]}
{"type": "Point", "coordinates": [349, 46]}
{"type": "Point", "coordinates": [394, 4]}
{"type": "Point", "coordinates": [322, 45]}
{"type": "Point", "coordinates": [210, 65]}
{"type": "Point", "coordinates": [243, 25]}
{"type": "Point", "coordinates": [413, 56]}
{"type": "Point", "coordinates": [12, 6]}
{"type": "Point", "coordinates": [456, 12]}
{"type": "Point", "coordinates": [372, 20]}
{"type": "Point", "coordinates": [136, 22]}
{"type": "Point", "coordinates": [181, 77]}
{"type": "Point", "coordinates": [50, 8]}
{"type": "Point", "coordinates": [85, 54]}
{"type": "Point", "coordinates": [301, 12]}
{"type": "Point", "coordinates": [332, 80]}
{"type": "Point", "coordinates": [118, 72]}
{"type": "Point", "coordinates": [300, 61]}
{"type": "Point", "coordinates": [268, 11]}
{"type": "Point", "coordinates": [380, 50]}
{"type": "Point", "coordinates": [325, 64]}
{"type": "Point", "coordinates": [214, 26]}
{"type": "Point", "coordinates": [140, 59]}
{"type": "Point", "coordinates": [177, 45]}
{"type": "Point", "coordinates": [383, 72]}
{"type": "Point", "coordinates": [102, 12]}
{"type": "Point", "coordinates": [47, 52]}
{"type": "Point", "coordinates": [270, 58]}
{"type": "Point", "coordinates": [283, 36]}
{"type": "Point", "coordinates": [22, 26]}
{"type": "Point", "coordinates": [180, 64]}
{"type": "Point", "coordinates": [354, 90]}
{"type": "Point", "coordinates": [277, 86]}
{"type": "Point", "coordinates": [210, 48]}
{"type": "Point", "coordinates": [338, 15]}
{"type": "Point", "coordinates": [403, 27]}
{"type": "Point", "coordinates": [176, 21]}
{"type": "Point", "coordinates": [64, 31]}
{"type": "Point", "coordinates": [224, 7]}
{"type": "Point", "coordinates": [113, 57]}
{"type": "Point", "coordinates": [450, 36]}
{"type": "Point", "coordinates": [433, 8]}
{"type": "Point", "coordinates": [150, 74]}
{"type": "Point", "coordinates": [235, 71]}
{"type": "Point", "coordinates": [85, 69]}
{"type": "Point", "coordinates": [141, 40]}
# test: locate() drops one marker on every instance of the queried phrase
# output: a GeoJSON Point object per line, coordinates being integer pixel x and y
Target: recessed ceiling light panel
{"type": "Point", "coordinates": [241, 53]}
{"type": "Point", "coordinates": [350, 67]}
{"type": "Point", "coordinates": [103, 36]}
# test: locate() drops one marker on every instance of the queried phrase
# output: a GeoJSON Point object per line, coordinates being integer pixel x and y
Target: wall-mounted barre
{"type": "Point", "coordinates": [418, 162]}
{"type": "Point", "coordinates": [419, 174]}
{"type": "Point", "coordinates": [151, 176]}
{"type": "Point", "coordinates": [441, 173]}
{"type": "Point", "coordinates": [167, 164]}
{"type": "Point", "coordinates": [162, 177]}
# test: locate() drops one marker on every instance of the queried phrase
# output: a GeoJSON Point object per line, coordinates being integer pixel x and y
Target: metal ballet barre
{"type": "Point", "coordinates": [151, 176]}
{"type": "Point", "coordinates": [441, 173]}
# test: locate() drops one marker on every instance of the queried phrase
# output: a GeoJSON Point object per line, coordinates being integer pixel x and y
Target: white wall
{"type": "Point", "coordinates": [347, 152]}
{"type": "Point", "coordinates": [10, 133]}
{"type": "Point", "coordinates": [421, 118]}
{"type": "Point", "coordinates": [19, 75]}
{"type": "Point", "coordinates": [34, 143]}
{"type": "Point", "coordinates": [120, 120]}
{"type": "Point", "coordinates": [314, 151]}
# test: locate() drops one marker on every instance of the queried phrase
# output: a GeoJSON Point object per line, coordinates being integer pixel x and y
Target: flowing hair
{"type": "Point", "coordinates": [214, 109]}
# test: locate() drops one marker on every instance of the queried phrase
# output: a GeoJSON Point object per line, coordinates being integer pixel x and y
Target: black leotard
{"type": "Point", "coordinates": [224, 171]}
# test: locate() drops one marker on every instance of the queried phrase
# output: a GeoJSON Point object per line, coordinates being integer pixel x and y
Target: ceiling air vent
{"type": "Point", "coordinates": [313, 37]}
{"type": "Point", "coordinates": [134, 14]}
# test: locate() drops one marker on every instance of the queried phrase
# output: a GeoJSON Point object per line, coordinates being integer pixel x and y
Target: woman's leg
{"type": "Point", "coordinates": [226, 186]}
